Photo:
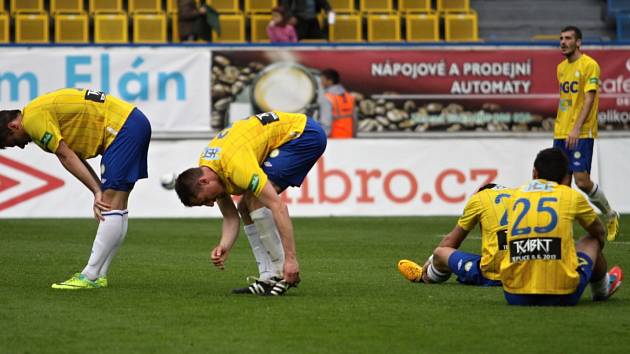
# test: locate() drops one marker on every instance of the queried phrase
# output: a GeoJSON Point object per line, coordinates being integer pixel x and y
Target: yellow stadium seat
{"type": "Point", "coordinates": [376, 5]}
{"type": "Point", "coordinates": [258, 25]}
{"type": "Point", "coordinates": [110, 6]}
{"type": "Point", "coordinates": [27, 6]}
{"type": "Point", "coordinates": [342, 5]}
{"type": "Point", "coordinates": [111, 28]}
{"type": "Point", "coordinates": [414, 5]}
{"type": "Point", "coordinates": [31, 28]}
{"type": "Point", "coordinates": [347, 28]}
{"type": "Point", "coordinates": [453, 5]}
{"type": "Point", "coordinates": [232, 29]}
{"type": "Point", "coordinates": [150, 6]}
{"type": "Point", "coordinates": [4, 27]}
{"type": "Point", "coordinates": [73, 6]}
{"type": "Point", "coordinates": [383, 27]}
{"type": "Point", "coordinates": [264, 6]}
{"type": "Point", "coordinates": [174, 27]}
{"type": "Point", "coordinates": [71, 28]}
{"type": "Point", "coordinates": [149, 28]}
{"type": "Point", "coordinates": [224, 6]}
{"type": "Point", "coordinates": [423, 27]}
{"type": "Point", "coordinates": [460, 27]}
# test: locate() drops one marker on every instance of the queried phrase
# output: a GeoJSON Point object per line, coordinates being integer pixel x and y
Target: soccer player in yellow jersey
{"type": "Point", "coordinates": [257, 158]}
{"type": "Point", "coordinates": [76, 125]}
{"type": "Point", "coordinates": [576, 124]}
{"type": "Point", "coordinates": [486, 208]}
{"type": "Point", "coordinates": [544, 266]}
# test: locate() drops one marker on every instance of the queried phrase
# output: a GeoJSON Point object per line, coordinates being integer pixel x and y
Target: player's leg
{"type": "Point", "coordinates": [263, 260]}
{"type": "Point", "coordinates": [580, 161]}
{"type": "Point", "coordinates": [603, 283]}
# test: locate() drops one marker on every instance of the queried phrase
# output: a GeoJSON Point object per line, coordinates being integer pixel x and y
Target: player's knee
{"type": "Point", "coordinates": [440, 257]}
{"type": "Point", "coordinates": [583, 181]}
{"type": "Point", "coordinates": [242, 208]}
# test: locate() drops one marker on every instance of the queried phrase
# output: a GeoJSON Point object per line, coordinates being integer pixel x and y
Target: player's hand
{"type": "Point", "coordinates": [572, 139]}
{"type": "Point", "coordinates": [100, 206]}
{"type": "Point", "coordinates": [218, 256]}
{"type": "Point", "coordinates": [291, 272]}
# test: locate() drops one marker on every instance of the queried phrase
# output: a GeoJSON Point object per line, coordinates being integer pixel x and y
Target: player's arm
{"type": "Point", "coordinates": [84, 173]}
{"type": "Point", "coordinates": [269, 197]}
{"type": "Point", "coordinates": [229, 231]}
{"type": "Point", "coordinates": [574, 134]}
{"type": "Point", "coordinates": [454, 238]}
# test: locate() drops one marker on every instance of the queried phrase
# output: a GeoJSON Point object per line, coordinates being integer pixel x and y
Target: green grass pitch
{"type": "Point", "coordinates": [165, 297]}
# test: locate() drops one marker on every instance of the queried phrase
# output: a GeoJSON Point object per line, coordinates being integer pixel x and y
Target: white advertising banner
{"type": "Point", "coordinates": [377, 177]}
{"type": "Point", "coordinates": [170, 85]}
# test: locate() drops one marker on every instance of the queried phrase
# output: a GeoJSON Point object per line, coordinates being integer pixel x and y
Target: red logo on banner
{"type": "Point", "coordinates": [7, 183]}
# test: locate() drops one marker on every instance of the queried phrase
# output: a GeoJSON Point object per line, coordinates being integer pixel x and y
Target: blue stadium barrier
{"type": "Point", "coordinates": [615, 8]}
{"type": "Point", "coordinates": [623, 26]}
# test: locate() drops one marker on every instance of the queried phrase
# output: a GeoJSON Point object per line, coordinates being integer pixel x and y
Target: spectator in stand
{"type": "Point", "coordinates": [279, 31]}
{"type": "Point", "coordinates": [303, 15]}
{"type": "Point", "coordinates": [189, 16]}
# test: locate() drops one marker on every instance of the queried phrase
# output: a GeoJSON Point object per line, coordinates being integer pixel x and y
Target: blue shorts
{"type": "Point", "coordinates": [125, 160]}
{"type": "Point", "coordinates": [289, 164]}
{"type": "Point", "coordinates": [585, 270]}
{"type": "Point", "coordinates": [466, 267]}
{"type": "Point", "coordinates": [579, 158]}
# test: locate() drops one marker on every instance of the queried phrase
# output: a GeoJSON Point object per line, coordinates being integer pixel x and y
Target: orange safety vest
{"type": "Point", "coordinates": [342, 115]}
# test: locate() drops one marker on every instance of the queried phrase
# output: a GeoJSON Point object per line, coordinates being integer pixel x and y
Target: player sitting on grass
{"type": "Point", "coordinates": [544, 266]}
{"type": "Point", "coordinates": [486, 208]}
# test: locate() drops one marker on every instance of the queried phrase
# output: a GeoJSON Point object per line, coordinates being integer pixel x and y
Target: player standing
{"type": "Point", "coordinates": [576, 123]}
{"type": "Point", "coordinates": [78, 124]}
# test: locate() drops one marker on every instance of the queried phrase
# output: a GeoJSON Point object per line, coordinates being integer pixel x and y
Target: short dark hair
{"type": "Point", "coordinates": [332, 75]}
{"type": "Point", "coordinates": [187, 185]}
{"type": "Point", "coordinates": [6, 117]}
{"type": "Point", "coordinates": [577, 31]}
{"type": "Point", "coordinates": [552, 164]}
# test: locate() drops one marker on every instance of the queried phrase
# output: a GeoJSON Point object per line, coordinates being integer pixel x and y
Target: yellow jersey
{"type": "Point", "coordinates": [237, 152]}
{"type": "Point", "coordinates": [541, 252]}
{"type": "Point", "coordinates": [87, 121]}
{"type": "Point", "coordinates": [575, 80]}
{"type": "Point", "coordinates": [488, 208]}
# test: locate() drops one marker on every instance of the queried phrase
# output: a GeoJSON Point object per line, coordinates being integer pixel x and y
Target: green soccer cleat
{"type": "Point", "coordinates": [77, 282]}
{"type": "Point", "coordinates": [102, 282]}
{"type": "Point", "coordinates": [613, 227]}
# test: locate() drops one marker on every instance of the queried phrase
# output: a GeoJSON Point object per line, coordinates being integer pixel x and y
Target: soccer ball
{"type": "Point", "coordinates": [168, 181]}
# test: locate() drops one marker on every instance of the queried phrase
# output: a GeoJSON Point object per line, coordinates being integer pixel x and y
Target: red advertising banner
{"type": "Point", "coordinates": [448, 89]}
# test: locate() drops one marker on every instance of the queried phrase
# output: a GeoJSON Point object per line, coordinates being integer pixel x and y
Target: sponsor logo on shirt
{"type": "Point", "coordinates": [211, 153]}
{"type": "Point", "coordinates": [529, 249]}
{"type": "Point", "coordinates": [253, 184]}
{"type": "Point", "coordinates": [46, 138]}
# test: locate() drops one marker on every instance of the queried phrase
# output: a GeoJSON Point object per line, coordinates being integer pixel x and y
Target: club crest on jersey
{"type": "Point", "coordinates": [211, 153]}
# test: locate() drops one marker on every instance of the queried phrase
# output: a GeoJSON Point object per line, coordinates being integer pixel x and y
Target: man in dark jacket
{"type": "Point", "coordinates": [189, 16]}
{"type": "Point", "coordinates": [303, 15]}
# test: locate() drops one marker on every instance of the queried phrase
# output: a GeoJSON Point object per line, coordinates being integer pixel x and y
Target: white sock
{"type": "Point", "coordinates": [597, 197]}
{"type": "Point", "coordinates": [269, 237]}
{"type": "Point", "coordinates": [600, 287]}
{"type": "Point", "coordinates": [103, 271]}
{"type": "Point", "coordinates": [107, 237]}
{"type": "Point", "coordinates": [435, 275]}
{"type": "Point", "coordinates": [262, 257]}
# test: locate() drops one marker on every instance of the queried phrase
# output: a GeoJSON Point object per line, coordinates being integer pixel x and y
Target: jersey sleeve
{"type": "Point", "coordinates": [584, 213]}
{"type": "Point", "coordinates": [247, 174]}
{"type": "Point", "coordinates": [591, 75]}
{"type": "Point", "coordinates": [43, 130]}
{"type": "Point", "coordinates": [470, 217]}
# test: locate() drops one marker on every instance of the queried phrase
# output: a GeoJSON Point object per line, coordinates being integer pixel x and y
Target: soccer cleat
{"type": "Point", "coordinates": [77, 282]}
{"type": "Point", "coordinates": [613, 227]}
{"type": "Point", "coordinates": [615, 276]}
{"type": "Point", "coordinates": [274, 287]}
{"type": "Point", "coordinates": [102, 282]}
{"type": "Point", "coordinates": [411, 270]}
